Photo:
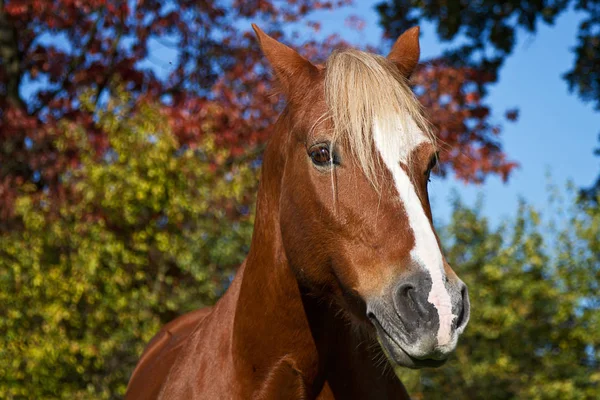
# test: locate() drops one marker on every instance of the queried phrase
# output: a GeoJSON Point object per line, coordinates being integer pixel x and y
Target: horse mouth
{"type": "Point", "coordinates": [398, 356]}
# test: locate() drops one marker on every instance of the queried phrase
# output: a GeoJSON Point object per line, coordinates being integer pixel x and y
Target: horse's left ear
{"type": "Point", "coordinates": [292, 70]}
{"type": "Point", "coordinates": [406, 51]}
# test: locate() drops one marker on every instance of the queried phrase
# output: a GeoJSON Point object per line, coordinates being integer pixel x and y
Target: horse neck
{"type": "Point", "coordinates": [269, 322]}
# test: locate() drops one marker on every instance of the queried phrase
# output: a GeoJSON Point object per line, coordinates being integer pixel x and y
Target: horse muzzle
{"type": "Point", "coordinates": [414, 331]}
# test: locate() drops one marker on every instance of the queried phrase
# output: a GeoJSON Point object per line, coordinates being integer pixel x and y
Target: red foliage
{"type": "Point", "coordinates": [468, 141]}
{"type": "Point", "coordinates": [212, 78]}
{"type": "Point", "coordinates": [64, 47]}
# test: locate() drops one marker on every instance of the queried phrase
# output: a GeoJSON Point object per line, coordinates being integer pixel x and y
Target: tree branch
{"type": "Point", "coordinates": [73, 64]}
{"type": "Point", "coordinates": [10, 57]}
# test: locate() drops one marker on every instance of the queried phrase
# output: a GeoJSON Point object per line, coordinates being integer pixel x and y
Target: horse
{"type": "Point", "coordinates": [345, 280]}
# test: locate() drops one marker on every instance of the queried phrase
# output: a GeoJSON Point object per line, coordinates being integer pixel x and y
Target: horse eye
{"type": "Point", "coordinates": [431, 165]}
{"type": "Point", "coordinates": [320, 155]}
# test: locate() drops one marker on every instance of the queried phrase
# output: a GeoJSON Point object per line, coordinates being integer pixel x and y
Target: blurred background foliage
{"type": "Point", "coordinates": [139, 237]}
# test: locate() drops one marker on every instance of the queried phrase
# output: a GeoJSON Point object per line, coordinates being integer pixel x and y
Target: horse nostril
{"type": "Point", "coordinates": [463, 315]}
{"type": "Point", "coordinates": [410, 307]}
{"type": "Point", "coordinates": [408, 293]}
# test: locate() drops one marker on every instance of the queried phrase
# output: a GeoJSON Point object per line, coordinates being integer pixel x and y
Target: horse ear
{"type": "Point", "coordinates": [291, 69]}
{"type": "Point", "coordinates": [406, 51]}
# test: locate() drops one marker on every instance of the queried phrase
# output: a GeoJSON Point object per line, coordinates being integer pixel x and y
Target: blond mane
{"type": "Point", "coordinates": [363, 89]}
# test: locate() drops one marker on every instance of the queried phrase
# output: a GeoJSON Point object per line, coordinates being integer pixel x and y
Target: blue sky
{"type": "Point", "coordinates": [556, 132]}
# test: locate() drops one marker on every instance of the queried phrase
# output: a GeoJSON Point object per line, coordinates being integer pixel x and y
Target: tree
{"type": "Point", "coordinates": [468, 141]}
{"type": "Point", "coordinates": [52, 51]}
{"type": "Point", "coordinates": [488, 31]}
{"type": "Point", "coordinates": [139, 237]}
{"type": "Point", "coordinates": [536, 314]}
{"type": "Point", "coordinates": [57, 49]}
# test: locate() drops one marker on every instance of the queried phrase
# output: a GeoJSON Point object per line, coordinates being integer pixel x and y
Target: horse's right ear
{"type": "Point", "coordinates": [291, 69]}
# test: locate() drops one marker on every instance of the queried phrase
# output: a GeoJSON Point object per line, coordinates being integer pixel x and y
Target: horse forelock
{"type": "Point", "coordinates": [362, 91]}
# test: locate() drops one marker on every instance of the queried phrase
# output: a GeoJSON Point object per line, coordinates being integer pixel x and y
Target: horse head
{"type": "Point", "coordinates": [354, 212]}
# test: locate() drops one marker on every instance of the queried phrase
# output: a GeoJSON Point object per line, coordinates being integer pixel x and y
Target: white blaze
{"type": "Point", "coordinates": [395, 147]}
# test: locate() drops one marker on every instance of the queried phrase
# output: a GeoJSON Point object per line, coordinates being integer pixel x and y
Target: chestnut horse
{"type": "Point", "coordinates": [345, 280]}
